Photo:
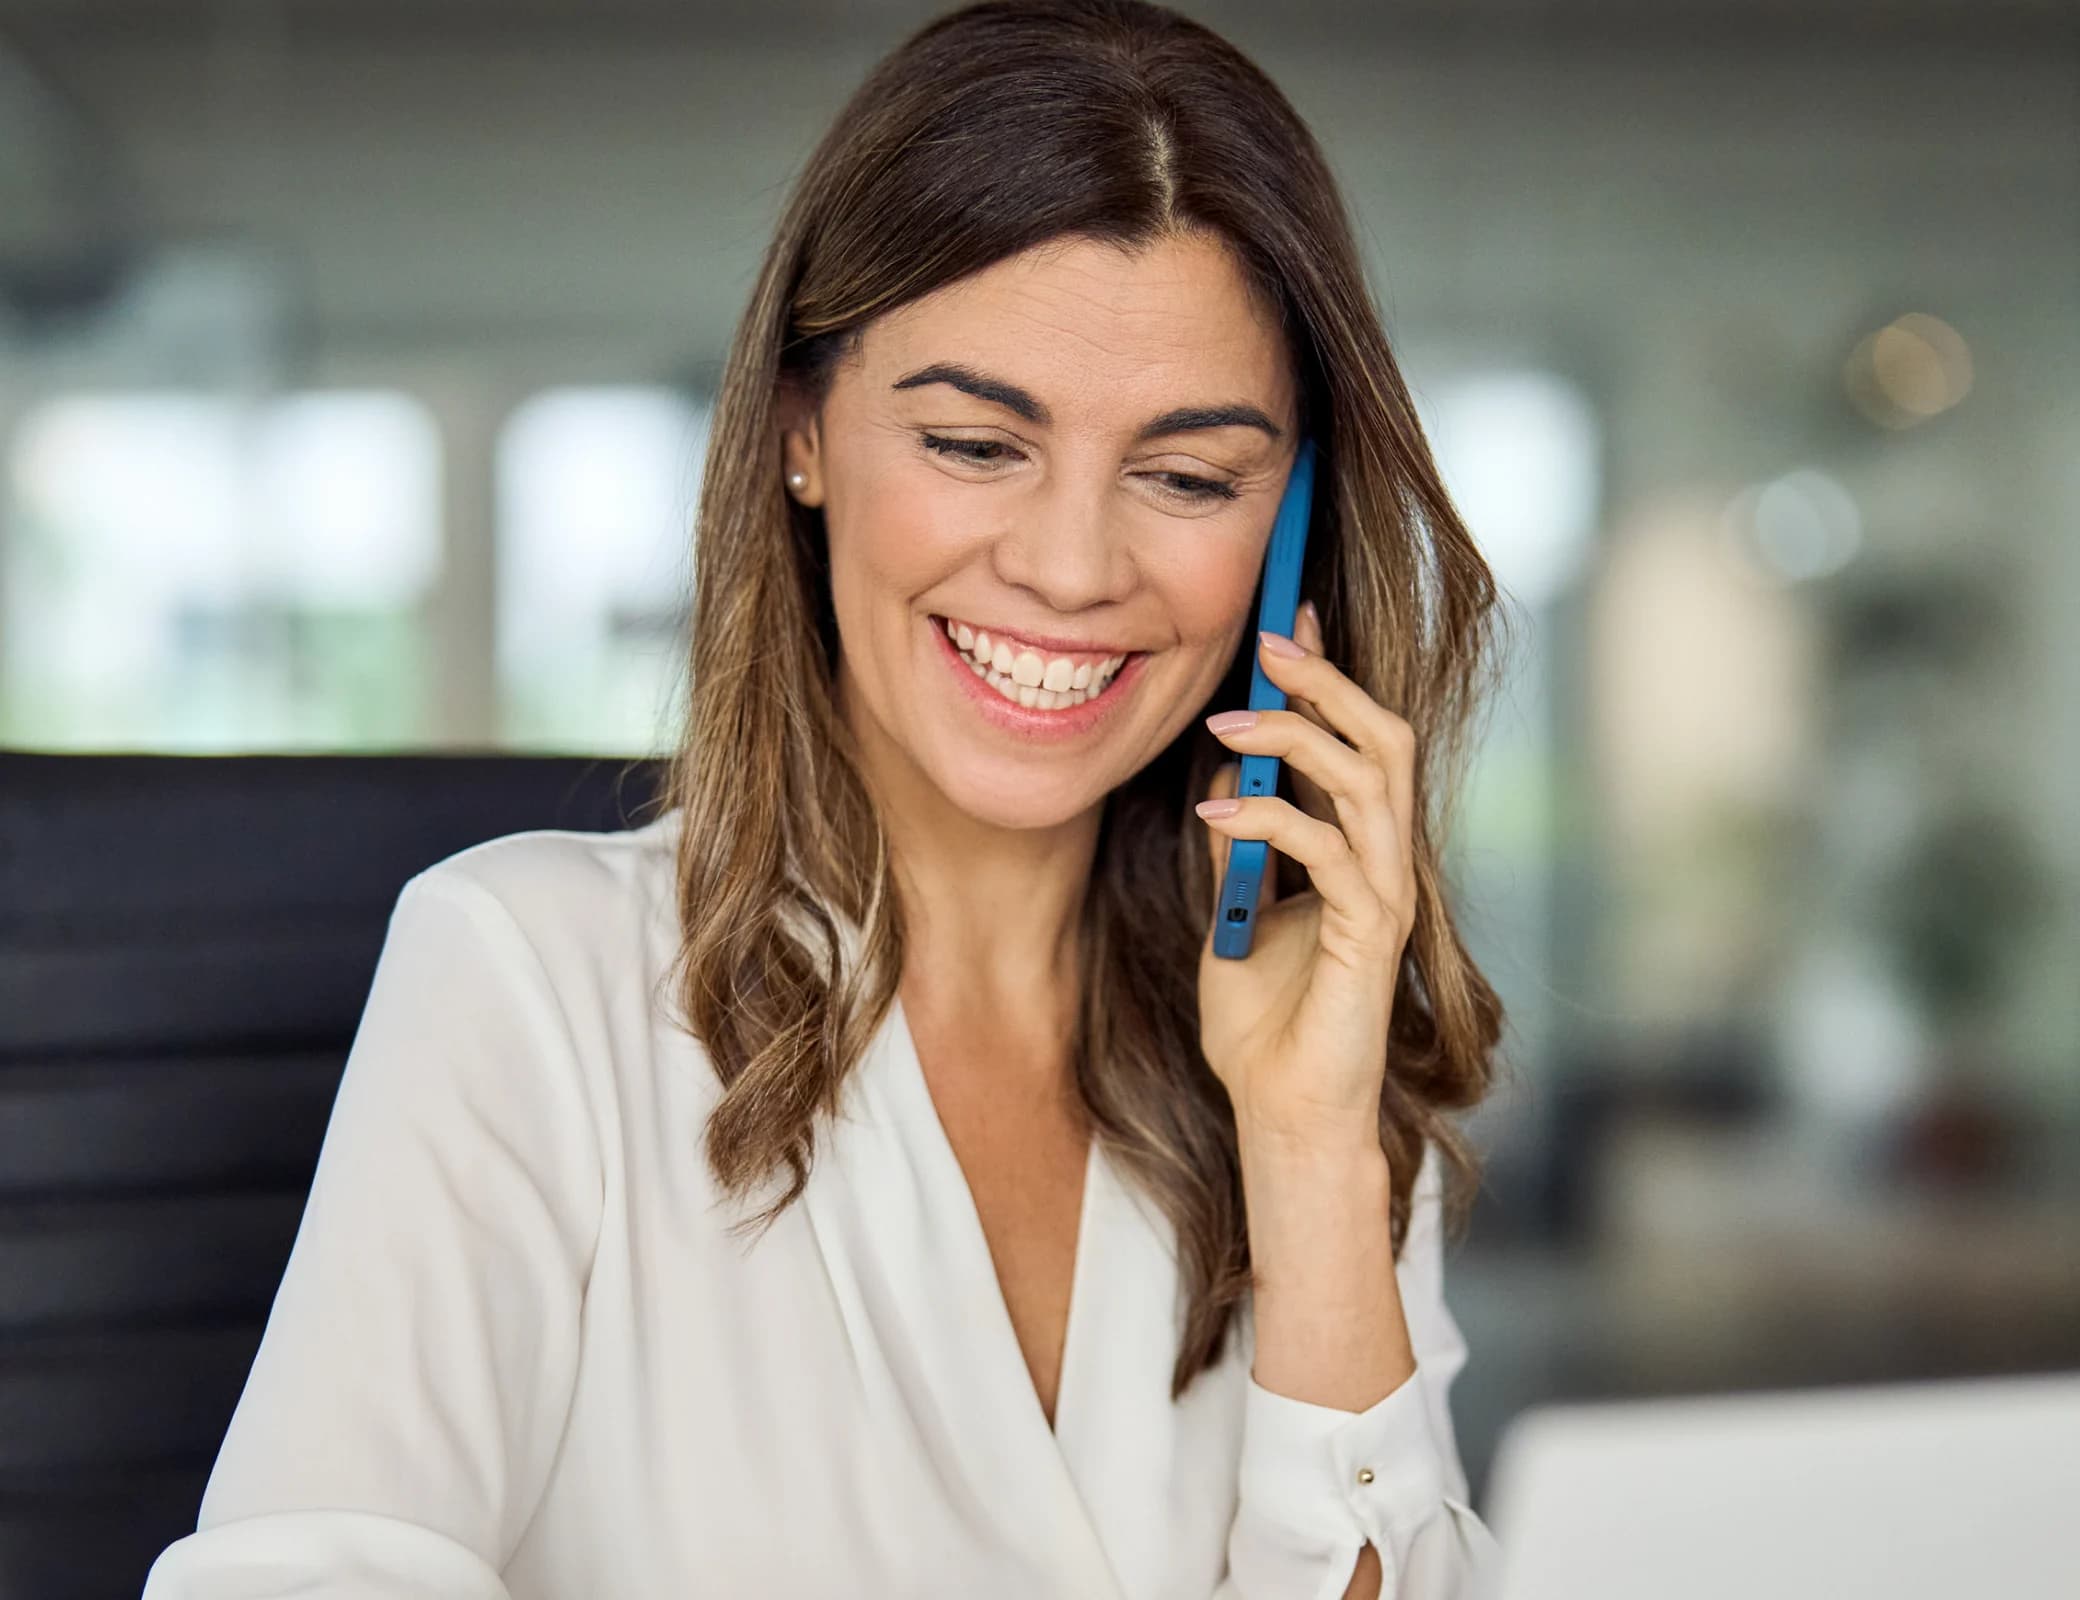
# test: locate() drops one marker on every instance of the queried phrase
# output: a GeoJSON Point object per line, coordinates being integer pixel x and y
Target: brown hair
{"type": "Point", "coordinates": [993, 129]}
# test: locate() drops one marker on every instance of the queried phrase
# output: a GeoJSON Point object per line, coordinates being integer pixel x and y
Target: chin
{"type": "Point", "coordinates": [1031, 806]}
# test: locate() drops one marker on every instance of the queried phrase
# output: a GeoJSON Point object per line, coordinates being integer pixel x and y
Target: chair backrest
{"type": "Point", "coordinates": [185, 947]}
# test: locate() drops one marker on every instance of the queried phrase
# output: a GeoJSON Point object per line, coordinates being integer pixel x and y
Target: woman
{"type": "Point", "coordinates": [861, 1178]}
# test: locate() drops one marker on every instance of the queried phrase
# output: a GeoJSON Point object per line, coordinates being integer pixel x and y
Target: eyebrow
{"type": "Point", "coordinates": [1021, 403]}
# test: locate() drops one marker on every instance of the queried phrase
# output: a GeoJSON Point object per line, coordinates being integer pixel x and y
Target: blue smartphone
{"type": "Point", "coordinates": [1235, 912]}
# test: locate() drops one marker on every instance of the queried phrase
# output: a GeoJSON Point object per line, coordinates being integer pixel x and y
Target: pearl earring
{"type": "Point", "coordinates": [798, 481]}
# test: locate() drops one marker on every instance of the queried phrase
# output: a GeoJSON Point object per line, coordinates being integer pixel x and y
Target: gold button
{"type": "Point", "coordinates": [1364, 1474]}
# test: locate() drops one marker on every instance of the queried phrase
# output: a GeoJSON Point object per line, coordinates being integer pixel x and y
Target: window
{"type": "Point", "coordinates": [191, 572]}
{"type": "Point", "coordinates": [596, 496]}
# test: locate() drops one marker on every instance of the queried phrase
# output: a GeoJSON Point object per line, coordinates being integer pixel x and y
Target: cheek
{"type": "Point", "coordinates": [896, 532]}
{"type": "Point", "coordinates": [1210, 586]}
{"type": "Point", "coordinates": [891, 539]}
{"type": "Point", "coordinates": [1208, 592]}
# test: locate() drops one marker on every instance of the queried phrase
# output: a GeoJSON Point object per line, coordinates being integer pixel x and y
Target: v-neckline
{"type": "Point", "coordinates": [937, 1356]}
{"type": "Point", "coordinates": [917, 1091]}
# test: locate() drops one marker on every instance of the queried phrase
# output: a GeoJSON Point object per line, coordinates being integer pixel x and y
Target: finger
{"type": "Point", "coordinates": [1356, 922]}
{"type": "Point", "coordinates": [1311, 797]}
{"type": "Point", "coordinates": [1358, 794]}
{"type": "Point", "coordinates": [1227, 777]}
{"type": "Point", "coordinates": [1307, 627]}
{"type": "Point", "coordinates": [1351, 713]}
{"type": "Point", "coordinates": [1345, 707]}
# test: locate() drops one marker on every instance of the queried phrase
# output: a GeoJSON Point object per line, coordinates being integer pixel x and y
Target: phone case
{"type": "Point", "coordinates": [1236, 911]}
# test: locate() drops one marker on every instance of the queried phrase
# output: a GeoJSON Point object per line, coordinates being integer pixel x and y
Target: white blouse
{"type": "Point", "coordinates": [518, 1353]}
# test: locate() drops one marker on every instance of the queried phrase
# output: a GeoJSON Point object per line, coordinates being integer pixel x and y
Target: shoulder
{"type": "Point", "coordinates": [578, 931]}
{"type": "Point", "coordinates": [521, 979]}
{"type": "Point", "coordinates": [571, 895]}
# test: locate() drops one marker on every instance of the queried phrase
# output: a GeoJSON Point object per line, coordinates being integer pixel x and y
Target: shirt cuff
{"type": "Point", "coordinates": [1343, 1477]}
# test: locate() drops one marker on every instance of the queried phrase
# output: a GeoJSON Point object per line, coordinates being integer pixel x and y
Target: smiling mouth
{"type": "Point", "coordinates": [1025, 676]}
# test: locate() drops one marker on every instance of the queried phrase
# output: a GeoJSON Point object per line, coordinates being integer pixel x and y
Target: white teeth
{"type": "Point", "coordinates": [1026, 678]}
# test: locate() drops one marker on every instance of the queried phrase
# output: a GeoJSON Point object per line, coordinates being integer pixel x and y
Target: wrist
{"type": "Point", "coordinates": [1320, 1173]}
{"type": "Point", "coordinates": [1313, 1134]}
{"type": "Point", "coordinates": [1328, 1317]}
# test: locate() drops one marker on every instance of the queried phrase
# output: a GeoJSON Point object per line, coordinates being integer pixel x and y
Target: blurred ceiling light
{"type": "Point", "coordinates": [1915, 367]}
{"type": "Point", "coordinates": [1801, 526]}
{"type": "Point", "coordinates": [1518, 451]}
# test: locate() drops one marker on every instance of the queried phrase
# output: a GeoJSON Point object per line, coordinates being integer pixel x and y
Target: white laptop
{"type": "Point", "coordinates": [1965, 1490]}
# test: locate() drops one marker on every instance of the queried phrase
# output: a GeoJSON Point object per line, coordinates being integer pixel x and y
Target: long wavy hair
{"type": "Point", "coordinates": [993, 129]}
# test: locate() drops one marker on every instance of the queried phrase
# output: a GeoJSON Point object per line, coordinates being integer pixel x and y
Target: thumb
{"type": "Point", "coordinates": [1227, 778]}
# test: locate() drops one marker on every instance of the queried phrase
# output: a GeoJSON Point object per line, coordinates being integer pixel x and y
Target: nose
{"type": "Point", "coordinates": [1067, 545]}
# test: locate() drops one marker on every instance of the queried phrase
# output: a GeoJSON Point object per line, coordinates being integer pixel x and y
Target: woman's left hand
{"type": "Point", "coordinates": [1297, 1030]}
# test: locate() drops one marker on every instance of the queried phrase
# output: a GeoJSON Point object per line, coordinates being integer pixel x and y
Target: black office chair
{"type": "Point", "coordinates": [185, 947]}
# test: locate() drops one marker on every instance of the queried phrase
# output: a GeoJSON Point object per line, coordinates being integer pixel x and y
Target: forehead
{"type": "Point", "coordinates": [1105, 330]}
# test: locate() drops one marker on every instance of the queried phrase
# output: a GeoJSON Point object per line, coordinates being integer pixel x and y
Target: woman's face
{"type": "Point", "coordinates": [1079, 453]}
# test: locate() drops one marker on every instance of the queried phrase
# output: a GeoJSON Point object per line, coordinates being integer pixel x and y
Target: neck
{"type": "Point", "coordinates": [991, 913]}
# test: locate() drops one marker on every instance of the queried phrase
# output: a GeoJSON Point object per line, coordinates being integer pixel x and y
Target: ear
{"type": "Point", "coordinates": [801, 445]}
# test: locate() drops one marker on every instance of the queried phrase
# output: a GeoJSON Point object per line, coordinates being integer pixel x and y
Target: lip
{"type": "Point", "coordinates": [1042, 641]}
{"type": "Point", "coordinates": [1031, 722]}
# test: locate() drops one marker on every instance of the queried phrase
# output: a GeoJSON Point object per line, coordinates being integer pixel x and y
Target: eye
{"type": "Point", "coordinates": [982, 452]}
{"type": "Point", "coordinates": [1191, 488]}
{"type": "Point", "coordinates": [963, 449]}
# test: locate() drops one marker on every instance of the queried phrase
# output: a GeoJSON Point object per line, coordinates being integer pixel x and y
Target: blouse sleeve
{"type": "Point", "coordinates": [401, 1415]}
{"type": "Point", "coordinates": [1318, 1484]}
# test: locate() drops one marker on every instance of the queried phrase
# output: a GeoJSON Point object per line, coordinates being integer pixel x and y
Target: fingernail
{"type": "Point", "coordinates": [1313, 615]}
{"type": "Point", "coordinates": [1230, 721]}
{"type": "Point", "coordinates": [1218, 808]}
{"type": "Point", "coordinates": [1278, 644]}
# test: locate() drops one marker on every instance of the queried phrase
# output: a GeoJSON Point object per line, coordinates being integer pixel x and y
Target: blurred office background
{"type": "Point", "coordinates": [355, 366]}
